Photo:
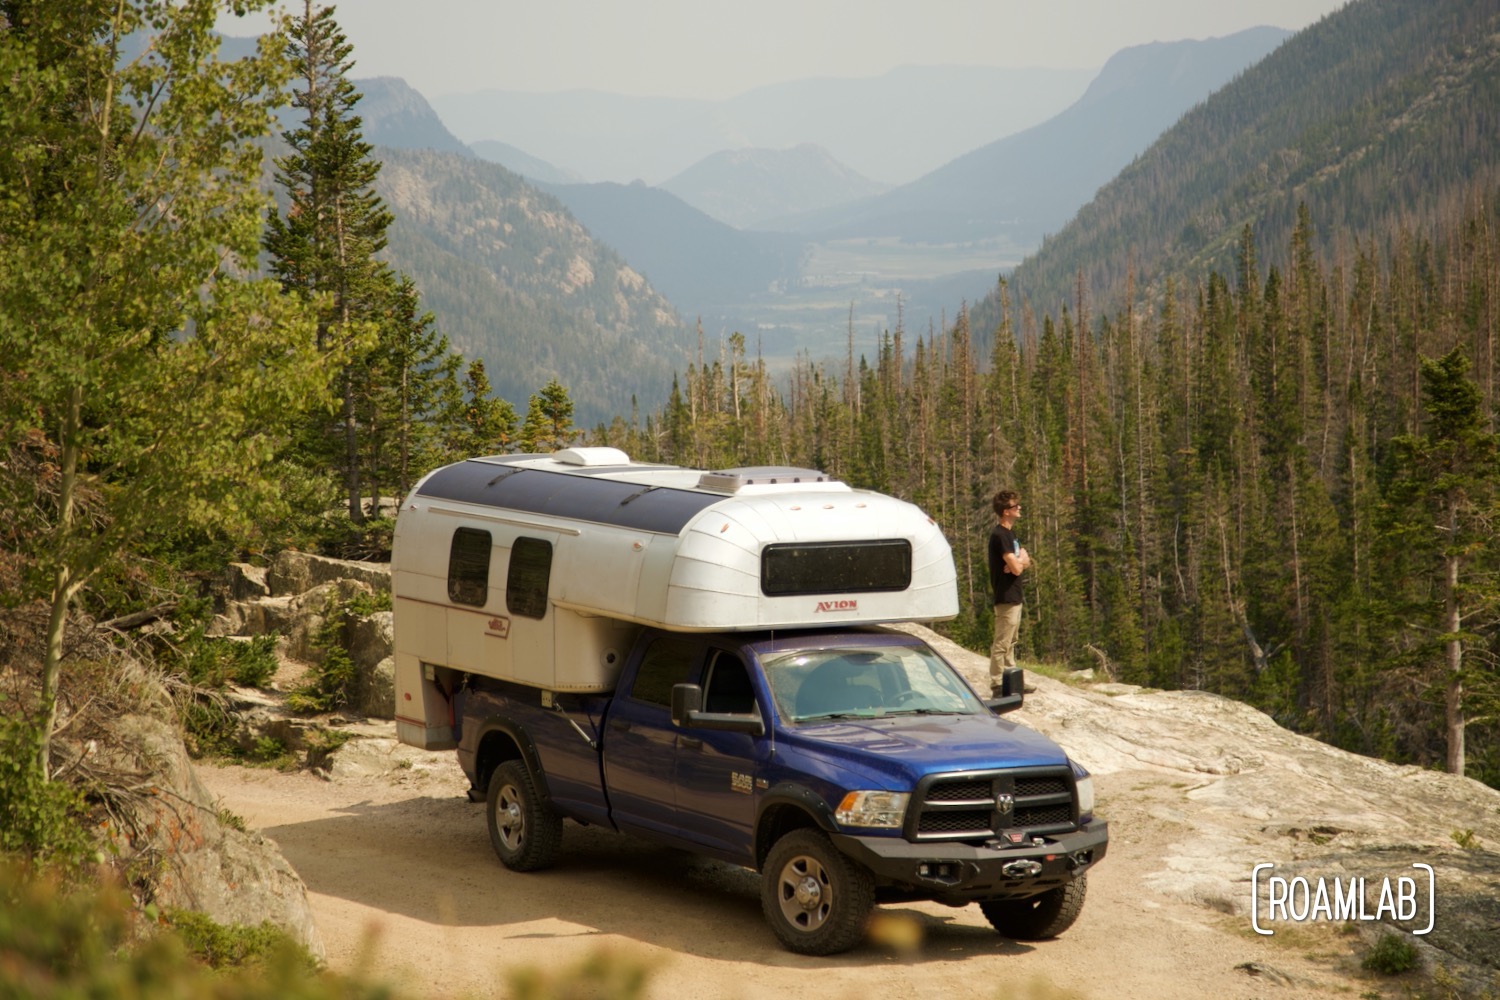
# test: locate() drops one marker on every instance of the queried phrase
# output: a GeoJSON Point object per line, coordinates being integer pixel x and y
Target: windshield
{"type": "Point", "coordinates": [866, 682]}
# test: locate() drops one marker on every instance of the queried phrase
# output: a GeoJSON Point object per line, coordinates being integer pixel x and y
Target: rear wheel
{"type": "Point", "coordinates": [816, 900]}
{"type": "Point", "coordinates": [524, 829]}
{"type": "Point", "coordinates": [1037, 918]}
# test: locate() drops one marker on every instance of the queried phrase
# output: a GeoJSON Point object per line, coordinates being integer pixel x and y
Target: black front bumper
{"type": "Point", "coordinates": [962, 873]}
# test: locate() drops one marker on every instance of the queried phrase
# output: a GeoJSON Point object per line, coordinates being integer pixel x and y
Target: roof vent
{"type": "Point", "coordinates": [591, 456]}
{"type": "Point", "coordinates": [733, 480]}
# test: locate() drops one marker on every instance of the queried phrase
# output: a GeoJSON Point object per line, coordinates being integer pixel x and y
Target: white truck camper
{"type": "Point", "coordinates": [542, 569]}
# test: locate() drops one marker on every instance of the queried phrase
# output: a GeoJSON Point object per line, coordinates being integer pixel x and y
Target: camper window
{"type": "Point", "coordinates": [835, 567]}
{"type": "Point", "coordinates": [469, 567]}
{"type": "Point", "coordinates": [526, 580]}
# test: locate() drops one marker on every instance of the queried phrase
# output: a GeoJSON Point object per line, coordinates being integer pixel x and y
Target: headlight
{"type": "Point", "coordinates": [1085, 795]}
{"type": "Point", "coordinates": [885, 810]}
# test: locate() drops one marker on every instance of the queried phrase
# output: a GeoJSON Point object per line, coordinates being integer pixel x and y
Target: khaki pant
{"type": "Point", "coordinates": [1003, 649]}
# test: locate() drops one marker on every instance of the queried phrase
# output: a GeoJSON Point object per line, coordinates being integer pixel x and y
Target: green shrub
{"type": "Point", "coordinates": [366, 603]}
{"type": "Point", "coordinates": [220, 946]}
{"type": "Point", "coordinates": [43, 820]}
{"type": "Point", "coordinates": [1392, 955]}
{"type": "Point", "coordinates": [322, 744]}
{"type": "Point", "coordinates": [212, 662]}
{"type": "Point", "coordinates": [87, 941]}
{"type": "Point", "coordinates": [328, 685]}
{"type": "Point", "coordinates": [1467, 839]}
{"type": "Point", "coordinates": [69, 940]}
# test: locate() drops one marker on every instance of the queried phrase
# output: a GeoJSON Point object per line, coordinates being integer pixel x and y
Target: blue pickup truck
{"type": "Point", "coordinates": [706, 660]}
{"type": "Point", "coordinates": [845, 767]}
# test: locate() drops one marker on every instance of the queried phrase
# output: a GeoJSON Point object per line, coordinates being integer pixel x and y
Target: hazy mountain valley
{"type": "Point", "coordinates": [794, 246]}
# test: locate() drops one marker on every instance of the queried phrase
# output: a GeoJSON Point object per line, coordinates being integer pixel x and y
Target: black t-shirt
{"type": "Point", "coordinates": [1007, 585]}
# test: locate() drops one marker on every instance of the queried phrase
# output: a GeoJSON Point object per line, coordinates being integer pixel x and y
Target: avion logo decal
{"type": "Point", "coordinates": [826, 606]}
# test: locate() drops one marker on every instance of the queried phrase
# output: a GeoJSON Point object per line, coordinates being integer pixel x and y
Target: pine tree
{"type": "Point", "coordinates": [324, 248]}
{"type": "Point", "coordinates": [549, 420]}
{"type": "Point", "coordinates": [1442, 505]}
{"type": "Point", "coordinates": [419, 376]}
{"type": "Point", "coordinates": [488, 425]}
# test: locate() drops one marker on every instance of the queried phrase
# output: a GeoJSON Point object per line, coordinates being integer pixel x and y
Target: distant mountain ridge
{"type": "Point", "coordinates": [696, 261]}
{"type": "Point", "coordinates": [745, 186]}
{"type": "Point", "coordinates": [513, 278]}
{"type": "Point", "coordinates": [890, 128]}
{"type": "Point", "coordinates": [1380, 115]}
{"type": "Point", "coordinates": [396, 115]}
{"type": "Point", "coordinates": [1029, 184]}
{"type": "Point", "coordinates": [518, 161]}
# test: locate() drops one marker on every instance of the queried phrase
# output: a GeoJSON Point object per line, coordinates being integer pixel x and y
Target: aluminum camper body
{"type": "Point", "coordinates": [541, 570]}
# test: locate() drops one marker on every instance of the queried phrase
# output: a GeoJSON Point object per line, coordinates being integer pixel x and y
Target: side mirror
{"type": "Point", "coordinates": [687, 699]}
{"type": "Point", "coordinates": [1012, 692]}
{"type": "Point", "coordinates": [687, 705]}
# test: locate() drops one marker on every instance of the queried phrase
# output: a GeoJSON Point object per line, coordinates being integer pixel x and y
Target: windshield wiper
{"type": "Point", "coordinates": [926, 711]}
{"type": "Point", "coordinates": [867, 713]}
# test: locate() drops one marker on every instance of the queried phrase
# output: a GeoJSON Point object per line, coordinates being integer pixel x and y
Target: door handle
{"type": "Point", "coordinates": [623, 725]}
{"type": "Point", "coordinates": [691, 743]}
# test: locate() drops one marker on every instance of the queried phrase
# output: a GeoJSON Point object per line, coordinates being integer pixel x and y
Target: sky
{"type": "Point", "coordinates": [717, 49]}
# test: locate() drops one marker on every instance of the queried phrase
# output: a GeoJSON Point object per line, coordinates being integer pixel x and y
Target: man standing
{"type": "Point", "coordinates": [1008, 560]}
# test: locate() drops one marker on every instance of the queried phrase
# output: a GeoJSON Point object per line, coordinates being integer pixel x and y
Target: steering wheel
{"type": "Point", "coordinates": [906, 697]}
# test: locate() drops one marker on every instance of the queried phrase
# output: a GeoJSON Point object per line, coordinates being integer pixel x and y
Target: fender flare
{"type": "Point", "coordinates": [798, 797]}
{"type": "Point", "coordinates": [521, 737]}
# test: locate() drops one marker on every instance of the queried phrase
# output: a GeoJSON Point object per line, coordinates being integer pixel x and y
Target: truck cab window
{"type": "Point", "coordinates": [727, 687]}
{"type": "Point", "coordinates": [527, 578]}
{"type": "Point", "coordinates": [669, 661]}
{"type": "Point", "coordinates": [469, 567]}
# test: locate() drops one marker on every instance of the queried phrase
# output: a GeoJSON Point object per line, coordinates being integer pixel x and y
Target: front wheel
{"type": "Point", "coordinates": [1039, 917]}
{"type": "Point", "coordinates": [524, 829]}
{"type": "Point", "coordinates": [816, 900]}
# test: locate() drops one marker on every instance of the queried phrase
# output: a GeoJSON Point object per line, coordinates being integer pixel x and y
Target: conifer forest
{"type": "Point", "coordinates": [1278, 485]}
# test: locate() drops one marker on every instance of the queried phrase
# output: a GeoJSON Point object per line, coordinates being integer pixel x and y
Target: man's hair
{"type": "Point", "coordinates": [1004, 499]}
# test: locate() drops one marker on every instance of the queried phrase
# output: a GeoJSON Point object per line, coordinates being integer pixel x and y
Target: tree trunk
{"type": "Point", "coordinates": [65, 583]}
{"type": "Point", "coordinates": [1453, 654]}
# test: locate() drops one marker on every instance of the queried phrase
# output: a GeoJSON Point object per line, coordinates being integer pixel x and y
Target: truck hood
{"type": "Point", "coordinates": [916, 745]}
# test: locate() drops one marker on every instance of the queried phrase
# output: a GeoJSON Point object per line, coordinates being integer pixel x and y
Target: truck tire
{"type": "Point", "coordinates": [524, 829]}
{"type": "Point", "coordinates": [1038, 917]}
{"type": "Point", "coordinates": [816, 900]}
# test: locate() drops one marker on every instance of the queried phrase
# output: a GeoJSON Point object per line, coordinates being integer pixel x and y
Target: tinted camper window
{"type": "Point", "coordinates": [469, 567]}
{"type": "Point", "coordinates": [526, 581]}
{"type": "Point", "coordinates": [835, 567]}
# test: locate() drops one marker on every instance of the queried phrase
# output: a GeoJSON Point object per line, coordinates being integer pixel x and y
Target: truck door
{"type": "Point", "coordinates": [716, 770]}
{"type": "Point", "coordinates": [640, 742]}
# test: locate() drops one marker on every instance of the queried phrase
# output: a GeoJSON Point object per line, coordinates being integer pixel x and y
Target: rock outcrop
{"type": "Point", "coordinates": [290, 599]}
{"type": "Point", "coordinates": [200, 861]}
{"type": "Point", "coordinates": [1222, 788]}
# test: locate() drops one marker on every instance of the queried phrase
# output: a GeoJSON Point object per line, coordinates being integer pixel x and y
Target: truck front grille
{"type": "Point", "coordinates": [988, 804]}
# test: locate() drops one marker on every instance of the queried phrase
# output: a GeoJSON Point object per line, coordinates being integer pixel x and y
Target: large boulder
{"type": "Point", "coordinates": [372, 647]}
{"type": "Point", "coordinates": [203, 863]}
{"type": "Point", "coordinates": [294, 572]}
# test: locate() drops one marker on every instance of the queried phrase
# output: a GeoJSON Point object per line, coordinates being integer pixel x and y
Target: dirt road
{"type": "Point", "coordinates": [403, 884]}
